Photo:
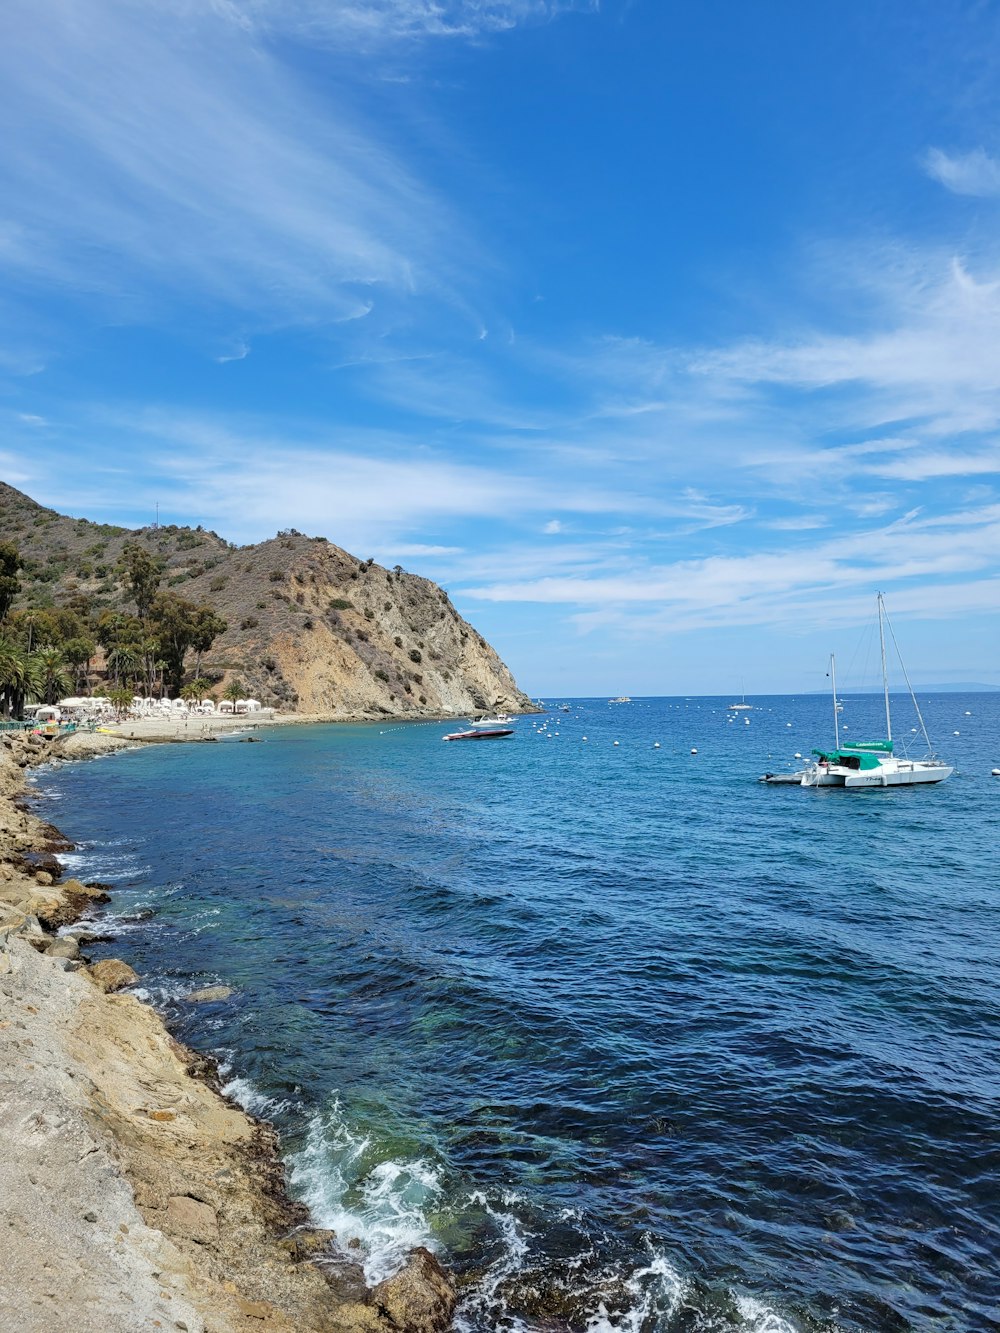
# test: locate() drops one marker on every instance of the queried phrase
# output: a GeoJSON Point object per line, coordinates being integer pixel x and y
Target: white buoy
{"type": "Point", "coordinates": [616, 742]}
{"type": "Point", "coordinates": [967, 713]}
{"type": "Point", "coordinates": [656, 745]}
{"type": "Point", "coordinates": [797, 755]}
{"type": "Point", "coordinates": [956, 733]}
{"type": "Point", "coordinates": [693, 751]}
{"type": "Point", "coordinates": [584, 738]}
{"type": "Point", "coordinates": [747, 721]}
{"type": "Point", "coordinates": [788, 724]}
{"type": "Point", "coordinates": [995, 773]}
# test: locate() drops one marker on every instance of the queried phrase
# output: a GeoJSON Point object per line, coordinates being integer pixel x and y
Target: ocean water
{"type": "Point", "coordinates": [631, 1040]}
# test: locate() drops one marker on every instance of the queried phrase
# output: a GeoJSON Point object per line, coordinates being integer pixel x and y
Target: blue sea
{"type": "Point", "coordinates": [632, 1041]}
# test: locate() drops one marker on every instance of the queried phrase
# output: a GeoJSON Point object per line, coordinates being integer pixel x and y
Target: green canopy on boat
{"type": "Point", "coordinates": [854, 758]}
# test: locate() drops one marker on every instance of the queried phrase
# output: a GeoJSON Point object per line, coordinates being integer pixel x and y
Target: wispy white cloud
{"type": "Point", "coordinates": [157, 155]}
{"type": "Point", "coordinates": [13, 470]}
{"type": "Point", "coordinates": [378, 21]}
{"type": "Point", "coordinates": [239, 352]}
{"type": "Point", "coordinates": [801, 523]}
{"type": "Point", "coordinates": [362, 486]}
{"type": "Point", "coordinates": [420, 550]}
{"type": "Point", "coordinates": [776, 586]}
{"type": "Point", "coordinates": [927, 346]}
{"type": "Point", "coordinates": [974, 173]}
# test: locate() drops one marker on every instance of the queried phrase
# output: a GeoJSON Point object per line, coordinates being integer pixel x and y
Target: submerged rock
{"type": "Point", "coordinates": [208, 993]}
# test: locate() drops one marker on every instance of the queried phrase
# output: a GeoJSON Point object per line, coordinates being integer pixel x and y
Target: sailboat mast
{"type": "Point", "coordinates": [885, 674]}
{"type": "Point", "coordinates": [836, 719]}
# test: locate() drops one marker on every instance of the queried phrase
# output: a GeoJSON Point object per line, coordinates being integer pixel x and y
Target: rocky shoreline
{"type": "Point", "coordinates": [133, 1195]}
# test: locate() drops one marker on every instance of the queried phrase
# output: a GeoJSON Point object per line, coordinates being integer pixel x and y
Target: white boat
{"type": "Point", "coordinates": [873, 763]}
{"type": "Point", "coordinates": [490, 723]}
{"type": "Point", "coordinates": [742, 706]}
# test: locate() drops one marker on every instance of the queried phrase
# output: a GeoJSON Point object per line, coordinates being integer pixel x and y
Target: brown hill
{"type": "Point", "coordinates": [310, 627]}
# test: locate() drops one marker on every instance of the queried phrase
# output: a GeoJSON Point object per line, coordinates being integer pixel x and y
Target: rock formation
{"type": "Point", "coordinates": [311, 628]}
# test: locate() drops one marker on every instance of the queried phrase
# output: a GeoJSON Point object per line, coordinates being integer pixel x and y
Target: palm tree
{"type": "Point", "coordinates": [121, 701]}
{"type": "Point", "coordinates": [234, 690]}
{"type": "Point", "coordinates": [11, 670]}
{"type": "Point", "coordinates": [127, 663]}
{"type": "Point", "coordinates": [20, 676]}
{"type": "Point", "coordinates": [53, 678]}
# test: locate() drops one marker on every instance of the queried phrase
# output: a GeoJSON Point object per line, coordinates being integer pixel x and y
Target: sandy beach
{"type": "Point", "coordinates": [133, 1196]}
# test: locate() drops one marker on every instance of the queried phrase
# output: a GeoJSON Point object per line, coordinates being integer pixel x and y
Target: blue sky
{"type": "Point", "coordinates": [661, 334]}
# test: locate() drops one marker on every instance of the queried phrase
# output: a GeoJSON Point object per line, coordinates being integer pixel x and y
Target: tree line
{"type": "Point", "coordinates": [45, 653]}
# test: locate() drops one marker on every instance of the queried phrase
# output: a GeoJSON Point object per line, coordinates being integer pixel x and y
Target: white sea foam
{"type": "Point", "coordinates": [256, 1103]}
{"type": "Point", "coordinates": [656, 1289]}
{"type": "Point", "coordinates": [162, 992]}
{"type": "Point", "coordinates": [384, 1206]}
{"type": "Point", "coordinates": [102, 862]}
{"type": "Point", "coordinates": [487, 1296]}
{"type": "Point", "coordinates": [112, 924]}
{"type": "Point", "coordinates": [760, 1318]}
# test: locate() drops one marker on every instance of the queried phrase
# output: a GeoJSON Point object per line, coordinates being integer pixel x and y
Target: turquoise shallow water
{"type": "Point", "coordinates": [632, 1040]}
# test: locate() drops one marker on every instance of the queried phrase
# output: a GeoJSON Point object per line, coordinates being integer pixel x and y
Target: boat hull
{"type": "Point", "coordinates": [497, 733]}
{"type": "Point", "coordinates": [897, 775]}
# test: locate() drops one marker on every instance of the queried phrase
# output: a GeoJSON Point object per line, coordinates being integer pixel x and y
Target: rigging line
{"type": "Point", "coordinates": [920, 716]}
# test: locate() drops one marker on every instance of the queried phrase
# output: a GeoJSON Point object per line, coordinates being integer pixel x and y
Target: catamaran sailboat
{"type": "Point", "coordinates": [873, 763]}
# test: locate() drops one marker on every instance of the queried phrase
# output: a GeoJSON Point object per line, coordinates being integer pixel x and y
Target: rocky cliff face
{"type": "Point", "coordinates": [310, 627]}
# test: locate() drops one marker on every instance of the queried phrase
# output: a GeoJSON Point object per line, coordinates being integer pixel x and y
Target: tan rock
{"type": "Point", "coordinates": [255, 1309]}
{"type": "Point", "coordinates": [47, 909]}
{"type": "Point", "coordinates": [76, 886]}
{"type": "Point", "coordinates": [307, 1243]}
{"type": "Point", "coordinates": [191, 1218]}
{"type": "Point", "coordinates": [43, 877]}
{"type": "Point", "coordinates": [112, 974]}
{"type": "Point", "coordinates": [65, 947]}
{"type": "Point", "coordinates": [421, 1298]}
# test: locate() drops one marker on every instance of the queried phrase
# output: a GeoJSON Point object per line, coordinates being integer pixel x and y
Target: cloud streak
{"type": "Point", "coordinates": [160, 154]}
{"type": "Point", "coordinates": [781, 586]}
{"type": "Point", "coordinates": [375, 22]}
{"type": "Point", "coordinates": [975, 173]}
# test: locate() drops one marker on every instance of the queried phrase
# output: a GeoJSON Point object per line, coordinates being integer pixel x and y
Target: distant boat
{"type": "Point", "coordinates": [742, 705]}
{"type": "Point", "coordinates": [622, 699]}
{"type": "Point", "coordinates": [873, 763]}
{"type": "Point", "coordinates": [486, 723]}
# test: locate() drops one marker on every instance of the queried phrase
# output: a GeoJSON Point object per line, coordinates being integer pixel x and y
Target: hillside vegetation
{"type": "Point", "coordinates": [308, 627]}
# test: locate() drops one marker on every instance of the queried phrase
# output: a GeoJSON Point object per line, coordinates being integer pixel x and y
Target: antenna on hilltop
{"type": "Point", "coordinates": [156, 524]}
